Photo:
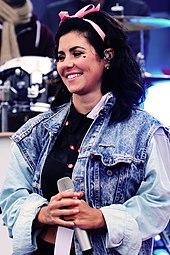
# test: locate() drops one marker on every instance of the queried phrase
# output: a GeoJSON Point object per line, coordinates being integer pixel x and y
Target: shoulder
{"type": "Point", "coordinates": [144, 122]}
{"type": "Point", "coordinates": [42, 123]}
{"type": "Point", "coordinates": [31, 125]}
{"type": "Point", "coordinates": [143, 117]}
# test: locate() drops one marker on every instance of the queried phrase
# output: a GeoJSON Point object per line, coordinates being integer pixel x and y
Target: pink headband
{"type": "Point", "coordinates": [81, 13]}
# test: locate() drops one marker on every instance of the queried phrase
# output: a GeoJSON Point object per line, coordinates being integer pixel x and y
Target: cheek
{"type": "Point", "coordinates": [85, 62]}
{"type": "Point", "coordinates": [59, 69]}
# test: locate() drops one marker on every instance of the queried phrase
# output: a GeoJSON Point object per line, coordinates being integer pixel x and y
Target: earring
{"type": "Point", "coordinates": [107, 67]}
{"type": "Point", "coordinates": [107, 55]}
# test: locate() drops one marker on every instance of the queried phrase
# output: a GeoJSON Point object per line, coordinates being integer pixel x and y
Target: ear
{"type": "Point", "coordinates": [108, 54]}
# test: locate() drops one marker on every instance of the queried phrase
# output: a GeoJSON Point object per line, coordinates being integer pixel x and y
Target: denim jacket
{"type": "Point", "coordinates": [110, 169]}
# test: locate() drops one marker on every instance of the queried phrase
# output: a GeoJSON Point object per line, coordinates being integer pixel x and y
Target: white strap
{"type": "Point", "coordinates": [63, 241]}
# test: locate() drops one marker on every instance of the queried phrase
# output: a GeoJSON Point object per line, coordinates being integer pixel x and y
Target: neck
{"type": "Point", "coordinates": [84, 104]}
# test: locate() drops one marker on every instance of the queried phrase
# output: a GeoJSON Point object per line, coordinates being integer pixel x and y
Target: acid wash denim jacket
{"type": "Point", "coordinates": [110, 169]}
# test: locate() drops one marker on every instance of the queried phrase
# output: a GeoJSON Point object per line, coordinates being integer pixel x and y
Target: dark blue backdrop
{"type": "Point", "coordinates": [159, 46]}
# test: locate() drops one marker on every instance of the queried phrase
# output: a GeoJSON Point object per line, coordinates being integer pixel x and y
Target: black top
{"type": "Point", "coordinates": [62, 158]}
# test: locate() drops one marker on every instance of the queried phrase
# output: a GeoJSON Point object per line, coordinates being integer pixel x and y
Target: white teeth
{"type": "Point", "coordinates": [71, 76]}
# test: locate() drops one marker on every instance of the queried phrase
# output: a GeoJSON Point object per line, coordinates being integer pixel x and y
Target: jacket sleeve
{"type": "Point", "coordinates": [19, 204]}
{"type": "Point", "coordinates": [147, 213]}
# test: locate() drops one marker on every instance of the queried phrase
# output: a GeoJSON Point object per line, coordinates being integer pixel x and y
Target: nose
{"type": "Point", "coordinates": [65, 65]}
{"type": "Point", "coordinates": [68, 62]}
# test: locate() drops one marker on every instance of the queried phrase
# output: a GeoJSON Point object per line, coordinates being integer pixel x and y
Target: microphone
{"type": "Point", "coordinates": [64, 184]}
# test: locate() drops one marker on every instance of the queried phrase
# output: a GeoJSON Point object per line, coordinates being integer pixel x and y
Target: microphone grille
{"type": "Point", "coordinates": [65, 183]}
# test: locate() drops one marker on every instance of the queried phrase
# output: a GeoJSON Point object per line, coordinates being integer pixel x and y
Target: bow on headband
{"type": "Point", "coordinates": [81, 13]}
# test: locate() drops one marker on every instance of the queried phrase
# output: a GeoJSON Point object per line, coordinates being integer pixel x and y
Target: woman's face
{"type": "Point", "coordinates": [79, 66]}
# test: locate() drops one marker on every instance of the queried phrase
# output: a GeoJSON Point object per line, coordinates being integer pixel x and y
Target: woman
{"type": "Point", "coordinates": [116, 154]}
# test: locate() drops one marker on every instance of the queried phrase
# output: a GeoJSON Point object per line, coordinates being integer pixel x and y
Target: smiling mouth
{"type": "Point", "coordinates": [72, 76]}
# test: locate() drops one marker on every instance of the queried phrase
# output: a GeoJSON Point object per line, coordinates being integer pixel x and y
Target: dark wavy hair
{"type": "Point", "coordinates": [124, 75]}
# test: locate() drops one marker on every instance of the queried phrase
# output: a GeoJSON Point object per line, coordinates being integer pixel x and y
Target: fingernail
{"type": "Point", "coordinates": [75, 211]}
{"type": "Point", "coordinates": [77, 202]}
{"type": "Point", "coordinates": [76, 194]}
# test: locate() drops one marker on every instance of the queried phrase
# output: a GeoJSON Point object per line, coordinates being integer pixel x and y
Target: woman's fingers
{"type": "Point", "coordinates": [61, 205]}
{"type": "Point", "coordinates": [66, 194]}
{"type": "Point", "coordinates": [87, 217]}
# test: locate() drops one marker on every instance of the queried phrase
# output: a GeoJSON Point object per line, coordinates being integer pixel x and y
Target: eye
{"type": "Point", "coordinates": [60, 58]}
{"type": "Point", "coordinates": [77, 53]}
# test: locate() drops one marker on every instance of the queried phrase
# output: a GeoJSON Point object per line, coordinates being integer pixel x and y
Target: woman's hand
{"type": "Point", "coordinates": [87, 217]}
{"type": "Point", "coordinates": [64, 204]}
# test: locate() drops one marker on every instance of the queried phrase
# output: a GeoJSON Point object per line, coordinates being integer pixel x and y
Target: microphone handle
{"type": "Point", "coordinates": [83, 239]}
{"type": "Point", "coordinates": [64, 184]}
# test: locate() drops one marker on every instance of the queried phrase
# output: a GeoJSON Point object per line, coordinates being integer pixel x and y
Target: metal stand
{"type": "Point", "coordinates": [162, 241]}
{"type": "Point", "coordinates": [165, 237]}
{"type": "Point", "coordinates": [4, 116]}
{"type": "Point", "coordinates": [4, 97]}
{"type": "Point", "coordinates": [140, 58]}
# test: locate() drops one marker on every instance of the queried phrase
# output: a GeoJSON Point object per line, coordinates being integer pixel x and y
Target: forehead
{"type": "Point", "coordinates": [73, 39]}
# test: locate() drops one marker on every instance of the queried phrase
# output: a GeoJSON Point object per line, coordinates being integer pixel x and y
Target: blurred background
{"type": "Point", "coordinates": [26, 74]}
{"type": "Point", "coordinates": [159, 46]}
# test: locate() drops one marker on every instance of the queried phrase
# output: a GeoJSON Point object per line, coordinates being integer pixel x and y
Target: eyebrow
{"type": "Point", "coordinates": [72, 49]}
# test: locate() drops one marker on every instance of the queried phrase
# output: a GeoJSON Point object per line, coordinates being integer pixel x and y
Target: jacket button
{"type": "Point", "coordinates": [70, 166]}
{"type": "Point", "coordinates": [109, 172]}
